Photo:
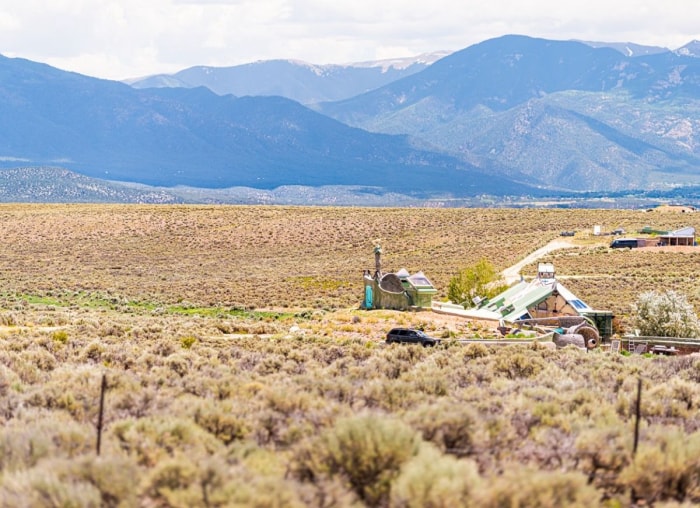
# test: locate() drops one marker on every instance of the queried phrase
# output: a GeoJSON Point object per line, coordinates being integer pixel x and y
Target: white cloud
{"type": "Point", "coordinates": [127, 38]}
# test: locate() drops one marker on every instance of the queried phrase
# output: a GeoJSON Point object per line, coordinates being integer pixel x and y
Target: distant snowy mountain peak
{"type": "Point", "coordinates": [298, 80]}
{"type": "Point", "coordinates": [690, 49]}
{"type": "Point", "coordinates": [628, 49]}
{"type": "Point", "coordinates": [631, 49]}
{"type": "Point", "coordinates": [402, 63]}
{"type": "Point", "coordinates": [318, 70]}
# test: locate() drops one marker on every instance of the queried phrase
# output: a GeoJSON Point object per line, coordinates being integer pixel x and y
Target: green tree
{"type": "Point", "coordinates": [480, 279]}
{"type": "Point", "coordinates": [665, 314]}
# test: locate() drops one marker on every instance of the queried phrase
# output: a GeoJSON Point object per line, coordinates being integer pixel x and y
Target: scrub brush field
{"type": "Point", "coordinates": [309, 258]}
{"type": "Point", "coordinates": [240, 370]}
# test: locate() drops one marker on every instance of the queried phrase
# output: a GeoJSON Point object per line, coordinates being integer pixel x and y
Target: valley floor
{"type": "Point", "coordinates": [240, 370]}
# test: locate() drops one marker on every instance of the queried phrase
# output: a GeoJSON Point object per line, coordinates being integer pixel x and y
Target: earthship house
{"type": "Point", "coordinates": [397, 291]}
{"type": "Point", "coordinates": [543, 297]}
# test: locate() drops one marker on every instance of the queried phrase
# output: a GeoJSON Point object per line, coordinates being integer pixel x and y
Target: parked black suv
{"type": "Point", "coordinates": [410, 336]}
{"type": "Point", "coordinates": [624, 243]}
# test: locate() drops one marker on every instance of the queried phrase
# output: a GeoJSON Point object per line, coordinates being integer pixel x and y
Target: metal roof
{"type": "Point", "coordinates": [497, 301]}
{"type": "Point", "coordinates": [513, 303]}
{"type": "Point", "coordinates": [518, 309]}
{"type": "Point", "coordinates": [419, 280]}
{"type": "Point", "coordinates": [403, 273]}
{"type": "Point", "coordinates": [688, 232]}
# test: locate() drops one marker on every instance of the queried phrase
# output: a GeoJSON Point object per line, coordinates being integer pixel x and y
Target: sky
{"type": "Point", "coordinates": [120, 39]}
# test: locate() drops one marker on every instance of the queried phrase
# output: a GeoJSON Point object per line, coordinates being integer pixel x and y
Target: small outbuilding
{"type": "Point", "coordinates": [398, 291]}
{"type": "Point", "coordinates": [420, 290]}
{"type": "Point", "coordinates": [683, 236]}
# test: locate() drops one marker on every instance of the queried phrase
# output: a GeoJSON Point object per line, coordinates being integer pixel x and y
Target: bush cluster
{"type": "Point", "coordinates": [213, 402]}
{"type": "Point", "coordinates": [319, 420]}
{"type": "Point", "coordinates": [665, 314]}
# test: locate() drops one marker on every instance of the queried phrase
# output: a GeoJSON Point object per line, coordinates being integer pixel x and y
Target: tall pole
{"type": "Point", "coordinates": [378, 259]}
{"type": "Point", "coordinates": [638, 414]}
{"type": "Point", "coordinates": [101, 413]}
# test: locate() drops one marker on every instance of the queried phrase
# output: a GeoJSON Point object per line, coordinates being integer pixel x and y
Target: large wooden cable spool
{"type": "Point", "coordinates": [582, 335]}
{"type": "Point", "coordinates": [590, 336]}
{"type": "Point", "coordinates": [588, 333]}
{"type": "Point", "coordinates": [568, 339]}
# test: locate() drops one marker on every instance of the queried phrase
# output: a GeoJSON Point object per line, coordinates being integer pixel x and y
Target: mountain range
{"type": "Point", "coordinates": [177, 136]}
{"type": "Point", "coordinates": [513, 115]}
{"type": "Point", "coordinates": [564, 114]}
{"type": "Point", "coordinates": [300, 81]}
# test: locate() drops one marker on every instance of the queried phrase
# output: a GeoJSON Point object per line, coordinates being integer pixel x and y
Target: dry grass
{"type": "Point", "coordinates": [289, 257]}
{"type": "Point", "coordinates": [240, 369]}
{"type": "Point", "coordinates": [223, 410]}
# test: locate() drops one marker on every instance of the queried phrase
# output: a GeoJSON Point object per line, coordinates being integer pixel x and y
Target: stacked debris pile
{"type": "Point", "coordinates": [563, 330]}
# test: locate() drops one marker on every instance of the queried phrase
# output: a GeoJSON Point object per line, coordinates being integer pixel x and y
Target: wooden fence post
{"type": "Point", "coordinates": [638, 414]}
{"type": "Point", "coordinates": [101, 413]}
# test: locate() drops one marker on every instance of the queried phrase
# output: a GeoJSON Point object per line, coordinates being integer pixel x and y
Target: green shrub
{"type": "Point", "coordinates": [60, 336]}
{"type": "Point", "coordinates": [8, 319]}
{"type": "Point", "coordinates": [45, 487]}
{"type": "Point", "coordinates": [665, 314]}
{"type": "Point", "coordinates": [665, 468]}
{"type": "Point", "coordinates": [149, 440]}
{"type": "Point", "coordinates": [449, 425]}
{"type": "Point", "coordinates": [93, 352]}
{"type": "Point", "coordinates": [24, 443]}
{"type": "Point", "coordinates": [433, 480]}
{"type": "Point", "coordinates": [518, 365]}
{"type": "Point", "coordinates": [675, 399]}
{"type": "Point", "coordinates": [480, 279]}
{"type": "Point", "coordinates": [179, 363]}
{"type": "Point", "coordinates": [522, 487]}
{"type": "Point", "coordinates": [475, 350]}
{"type": "Point", "coordinates": [173, 482]}
{"type": "Point", "coordinates": [243, 488]}
{"type": "Point", "coordinates": [213, 481]}
{"type": "Point", "coordinates": [603, 453]}
{"type": "Point", "coordinates": [7, 379]}
{"type": "Point", "coordinates": [365, 452]}
{"type": "Point", "coordinates": [188, 341]}
{"type": "Point", "coordinates": [329, 492]}
{"type": "Point", "coordinates": [86, 481]}
{"type": "Point", "coordinates": [388, 395]}
{"type": "Point", "coordinates": [221, 422]}
{"type": "Point", "coordinates": [43, 359]}
{"type": "Point", "coordinates": [114, 478]}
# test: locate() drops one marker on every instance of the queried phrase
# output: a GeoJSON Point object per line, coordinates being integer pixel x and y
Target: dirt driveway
{"type": "Point", "coordinates": [512, 274]}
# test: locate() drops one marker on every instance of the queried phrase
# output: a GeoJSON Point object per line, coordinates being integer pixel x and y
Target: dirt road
{"type": "Point", "coordinates": [512, 273]}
